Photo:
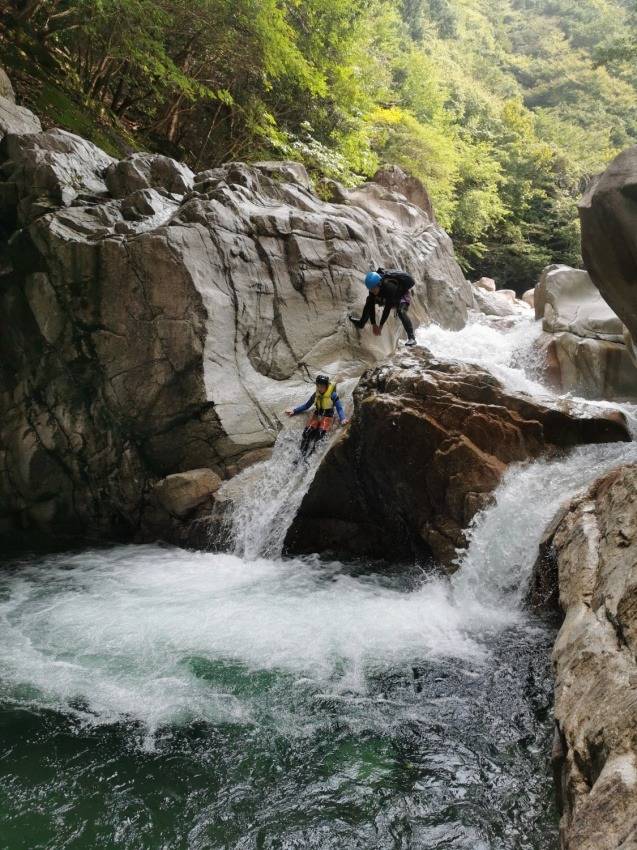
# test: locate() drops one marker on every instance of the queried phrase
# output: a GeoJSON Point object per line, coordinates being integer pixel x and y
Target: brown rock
{"type": "Point", "coordinates": [427, 446]}
{"type": "Point", "coordinates": [486, 283]}
{"type": "Point", "coordinates": [182, 492]}
{"type": "Point", "coordinates": [396, 180]}
{"type": "Point", "coordinates": [594, 545]}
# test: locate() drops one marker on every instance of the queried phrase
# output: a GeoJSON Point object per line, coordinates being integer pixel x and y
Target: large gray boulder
{"type": "Point", "coordinates": [502, 302]}
{"type": "Point", "coordinates": [583, 340]}
{"type": "Point", "coordinates": [147, 171]}
{"type": "Point", "coordinates": [16, 119]}
{"type": "Point", "coordinates": [588, 368]}
{"type": "Point", "coordinates": [608, 214]}
{"type": "Point", "coordinates": [159, 322]}
{"type": "Point", "coordinates": [54, 169]}
{"type": "Point", "coordinates": [6, 89]}
{"type": "Point", "coordinates": [566, 299]}
{"type": "Point", "coordinates": [590, 565]}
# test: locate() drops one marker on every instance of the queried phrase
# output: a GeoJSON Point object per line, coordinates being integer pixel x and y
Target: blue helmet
{"type": "Point", "coordinates": [372, 279]}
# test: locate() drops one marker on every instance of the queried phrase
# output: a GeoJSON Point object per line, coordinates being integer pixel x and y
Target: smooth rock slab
{"type": "Point", "coordinates": [590, 368]}
{"type": "Point", "coordinates": [567, 300]}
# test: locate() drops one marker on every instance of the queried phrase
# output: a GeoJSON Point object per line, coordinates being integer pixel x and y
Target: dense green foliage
{"type": "Point", "coordinates": [504, 108]}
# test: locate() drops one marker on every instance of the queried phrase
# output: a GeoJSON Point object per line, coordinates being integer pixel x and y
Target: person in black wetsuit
{"type": "Point", "coordinates": [392, 290]}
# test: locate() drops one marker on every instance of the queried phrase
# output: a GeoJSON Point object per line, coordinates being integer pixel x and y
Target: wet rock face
{"type": "Point", "coordinates": [426, 448]}
{"type": "Point", "coordinates": [608, 214]}
{"type": "Point", "coordinates": [583, 341]}
{"type": "Point", "coordinates": [159, 321]}
{"type": "Point", "coordinates": [594, 557]}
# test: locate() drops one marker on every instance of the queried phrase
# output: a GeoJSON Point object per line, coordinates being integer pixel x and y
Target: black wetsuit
{"type": "Point", "coordinates": [393, 295]}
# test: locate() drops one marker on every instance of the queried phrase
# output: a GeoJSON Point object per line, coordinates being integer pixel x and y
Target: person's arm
{"type": "Point", "coordinates": [371, 305]}
{"type": "Point", "coordinates": [302, 407]}
{"type": "Point", "coordinates": [386, 312]}
{"type": "Point", "coordinates": [391, 299]}
{"type": "Point", "coordinates": [339, 408]}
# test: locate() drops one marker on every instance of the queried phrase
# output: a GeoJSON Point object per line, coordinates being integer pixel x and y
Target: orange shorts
{"type": "Point", "coordinates": [323, 423]}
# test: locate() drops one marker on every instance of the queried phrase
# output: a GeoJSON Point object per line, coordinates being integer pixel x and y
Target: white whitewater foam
{"type": "Point", "coordinates": [112, 632]}
{"type": "Point", "coordinates": [509, 355]}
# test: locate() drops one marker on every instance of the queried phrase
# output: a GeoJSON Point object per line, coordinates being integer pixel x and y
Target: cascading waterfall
{"type": "Point", "coordinates": [165, 698]}
{"type": "Point", "coordinates": [269, 497]}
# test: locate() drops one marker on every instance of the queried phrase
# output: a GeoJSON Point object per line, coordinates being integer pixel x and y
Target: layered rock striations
{"type": "Point", "coordinates": [157, 321]}
{"type": "Point", "coordinates": [591, 553]}
{"type": "Point", "coordinates": [427, 446]}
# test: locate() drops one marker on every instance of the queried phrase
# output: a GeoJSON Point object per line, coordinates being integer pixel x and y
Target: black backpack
{"type": "Point", "coordinates": [402, 279]}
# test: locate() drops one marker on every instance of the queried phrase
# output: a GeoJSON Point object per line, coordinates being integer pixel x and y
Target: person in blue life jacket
{"type": "Point", "coordinates": [325, 400]}
{"type": "Point", "coordinates": [391, 289]}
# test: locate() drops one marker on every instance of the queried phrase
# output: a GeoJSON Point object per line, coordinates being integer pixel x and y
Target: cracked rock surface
{"type": "Point", "coordinates": [594, 561]}
{"type": "Point", "coordinates": [157, 321]}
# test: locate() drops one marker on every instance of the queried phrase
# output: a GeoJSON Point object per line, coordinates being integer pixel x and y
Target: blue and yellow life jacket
{"type": "Point", "coordinates": [323, 401]}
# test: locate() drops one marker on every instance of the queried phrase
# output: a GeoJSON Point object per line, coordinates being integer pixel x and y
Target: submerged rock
{"type": "Point", "coordinates": [590, 559]}
{"type": "Point", "coordinates": [158, 322]}
{"type": "Point", "coordinates": [426, 448]}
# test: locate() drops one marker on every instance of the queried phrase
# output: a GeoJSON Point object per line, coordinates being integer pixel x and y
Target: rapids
{"type": "Point", "coordinates": [154, 698]}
